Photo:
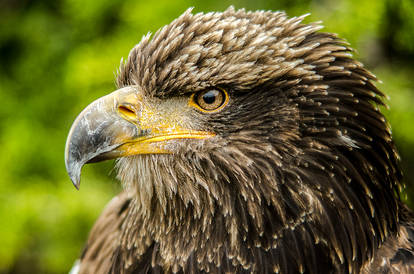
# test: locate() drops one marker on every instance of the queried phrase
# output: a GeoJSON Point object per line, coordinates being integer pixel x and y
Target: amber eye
{"type": "Point", "coordinates": [209, 100]}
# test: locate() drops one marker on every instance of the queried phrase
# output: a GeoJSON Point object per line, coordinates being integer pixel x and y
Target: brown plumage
{"type": "Point", "coordinates": [301, 175]}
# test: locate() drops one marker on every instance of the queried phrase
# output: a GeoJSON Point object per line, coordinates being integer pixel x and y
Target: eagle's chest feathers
{"type": "Point", "coordinates": [223, 225]}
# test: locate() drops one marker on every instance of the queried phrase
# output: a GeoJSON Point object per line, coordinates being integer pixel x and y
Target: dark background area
{"type": "Point", "coordinates": [57, 56]}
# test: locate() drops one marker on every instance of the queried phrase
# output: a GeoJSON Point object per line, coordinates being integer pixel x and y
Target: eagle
{"type": "Point", "coordinates": [246, 142]}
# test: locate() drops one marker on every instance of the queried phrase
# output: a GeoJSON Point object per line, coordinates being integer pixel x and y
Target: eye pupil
{"type": "Point", "coordinates": [210, 96]}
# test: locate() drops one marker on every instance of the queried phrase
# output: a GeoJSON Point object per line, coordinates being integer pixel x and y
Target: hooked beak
{"type": "Point", "coordinates": [111, 127]}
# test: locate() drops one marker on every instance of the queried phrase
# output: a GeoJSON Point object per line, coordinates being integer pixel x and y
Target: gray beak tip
{"type": "Point", "coordinates": [76, 184]}
{"type": "Point", "coordinates": [74, 172]}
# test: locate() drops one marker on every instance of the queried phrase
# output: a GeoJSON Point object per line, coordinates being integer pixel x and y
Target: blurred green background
{"type": "Point", "coordinates": [57, 56]}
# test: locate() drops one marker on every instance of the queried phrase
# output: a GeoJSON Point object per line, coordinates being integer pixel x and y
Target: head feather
{"type": "Point", "coordinates": [303, 154]}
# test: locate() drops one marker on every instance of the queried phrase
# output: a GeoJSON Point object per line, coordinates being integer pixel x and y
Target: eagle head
{"type": "Point", "coordinates": [253, 129]}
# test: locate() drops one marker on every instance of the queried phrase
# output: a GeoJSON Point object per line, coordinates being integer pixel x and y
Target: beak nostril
{"type": "Point", "coordinates": [127, 111]}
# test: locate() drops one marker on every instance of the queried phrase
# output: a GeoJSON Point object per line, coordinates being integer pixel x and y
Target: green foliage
{"type": "Point", "coordinates": [57, 56]}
